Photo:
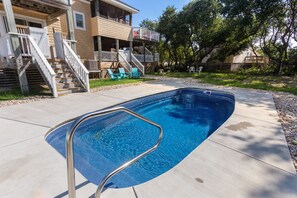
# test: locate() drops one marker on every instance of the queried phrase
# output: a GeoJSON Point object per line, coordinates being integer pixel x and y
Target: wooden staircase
{"type": "Point", "coordinates": [35, 80]}
{"type": "Point", "coordinates": [8, 78]}
{"type": "Point", "coordinates": [66, 80]}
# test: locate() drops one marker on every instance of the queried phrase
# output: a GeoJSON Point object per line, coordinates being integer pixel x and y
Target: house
{"type": "Point", "coordinates": [45, 43]}
{"type": "Point", "coordinates": [244, 59]}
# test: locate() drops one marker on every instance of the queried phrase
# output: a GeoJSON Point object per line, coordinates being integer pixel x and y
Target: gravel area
{"type": "Point", "coordinates": [115, 86]}
{"type": "Point", "coordinates": [23, 100]}
{"type": "Point", "coordinates": [286, 105]}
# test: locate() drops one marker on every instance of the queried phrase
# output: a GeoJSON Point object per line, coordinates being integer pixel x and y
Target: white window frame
{"type": "Point", "coordinates": [84, 20]}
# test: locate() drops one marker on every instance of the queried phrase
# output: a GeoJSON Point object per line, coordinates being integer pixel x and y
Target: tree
{"type": "Point", "coordinates": [272, 22]}
{"type": "Point", "coordinates": [278, 32]}
{"type": "Point", "coordinates": [149, 24]}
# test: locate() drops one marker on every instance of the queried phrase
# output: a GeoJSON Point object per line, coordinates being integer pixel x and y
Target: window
{"type": "Point", "coordinates": [20, 22]}
{"type": "Point", "coordinates": [34, 24]}
{"type": "Point", "coordinates": [79, 20]}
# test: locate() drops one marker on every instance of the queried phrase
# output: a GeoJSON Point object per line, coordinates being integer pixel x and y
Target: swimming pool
{"type": "Point", "coordinates": [188, 116]}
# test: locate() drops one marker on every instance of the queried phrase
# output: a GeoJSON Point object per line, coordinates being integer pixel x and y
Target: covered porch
{"type": "Point", "coordinates": [108, 48]}
{"type": "Point", "coordinates": [31, 37]}
{"type": "Point", "coordinates": [35, 18]}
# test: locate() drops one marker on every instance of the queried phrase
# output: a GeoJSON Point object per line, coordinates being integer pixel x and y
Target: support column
{"type": "Point", "coordinates": [16, 47]}
{"type": "Point", "coordinates": [117, 48]}
{"type": "Point", "coordinates": [97, 12]}
{"type": "Point", "coordinates": [143, 46]}
{"type": "Point", "coordinates": [99, 43]}
{"type": "Point", "coordinates": [130, 19]}
{"type": "Point", "coordinates": [70, 26]}
{"type": "Point", "coordinates": [131, 50]}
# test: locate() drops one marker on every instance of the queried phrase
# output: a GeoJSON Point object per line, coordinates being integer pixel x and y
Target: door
{"type": "Point", "coordinates": [41, 38]}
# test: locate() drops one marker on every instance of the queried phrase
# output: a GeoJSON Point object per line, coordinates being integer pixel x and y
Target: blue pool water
{"type": "Point", "coordinates": [187, 116]}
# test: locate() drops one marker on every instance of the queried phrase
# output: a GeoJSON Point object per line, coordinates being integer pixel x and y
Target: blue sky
{"type": "Point", "coordinates": [152, 9]}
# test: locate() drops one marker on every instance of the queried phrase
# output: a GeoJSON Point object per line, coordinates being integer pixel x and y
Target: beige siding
{"type": "Point", "coordinates": [111, 29]}
{"type": "Point", "coordinates": [85, 46]}
{"type": "Point", "coordinates": [54, 25]}
{"type": "Point", "coordinates": [229, 59]}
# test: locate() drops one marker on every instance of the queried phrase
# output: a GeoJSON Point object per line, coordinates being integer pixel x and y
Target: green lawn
{"type": "Point", "coordinates": [17, 94]}
{"type": "Point", "coordinates": [271, 83]}
{"type": "Point", "coordinates": [11, 95]}
{"type": "Point", "coordinates": [108, 82]}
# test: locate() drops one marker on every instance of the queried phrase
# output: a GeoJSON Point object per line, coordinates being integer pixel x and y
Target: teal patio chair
{"type": "Point", "coordinates": [113, 76]}
{"type": "Point", "coordinates": [135, 73]}
{"type": "Point", "coordinates": [123, 74]}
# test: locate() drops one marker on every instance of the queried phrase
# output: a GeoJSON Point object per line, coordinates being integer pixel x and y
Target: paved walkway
{"type": "Point", "coordinates": [246, 157]}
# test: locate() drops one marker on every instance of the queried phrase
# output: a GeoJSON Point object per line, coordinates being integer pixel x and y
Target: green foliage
{"type": "Point", "coordinates": [219, 28]}
{"type": "Point", "coordinates": [16, 94]}
{"type": "Point", "coordinates": [270, 83]}
{"type": "Point", "coordinates": [11, 95]}
{"type": "Point", "coordinates": [149, 24]}
{"type": "Point", "coordinates": [257, 70]}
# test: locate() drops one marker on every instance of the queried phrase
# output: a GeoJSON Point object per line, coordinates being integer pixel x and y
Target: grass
{"type": "Point", "coordinates": [271, 83]}
{"type": "Point", "coordinates": [11, 95]}
{"type": "Point", "coordinates": [16, 94]}
{"type": "Point", "coordinates": [107, 82]}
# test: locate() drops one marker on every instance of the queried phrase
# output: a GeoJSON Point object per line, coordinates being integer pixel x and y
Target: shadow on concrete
{"type": "Point", "coordinates": [64, 194]}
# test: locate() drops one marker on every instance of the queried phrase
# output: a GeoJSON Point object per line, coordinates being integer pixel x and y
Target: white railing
{"type": "Point", "coordinates": [76, 65]}
{"type": "Point", "coordinates": [30, 48]}
{"type": "Point", "coordinates": [106, 56]}
{"type": "Point", "coordinates": [145, 34]}
{"type": "Point", "coordinates": [157, 57]}
{"type": "Point", "coordinates": [43, 65]}
{"type": "Point", "coordinates": [139, 57]}
{"type": "Point", "coordinates": [149, 58]}
{"type": "Point", "coordinates": [123, 59]}
{"type": "Point", "coordinates": [109, 56]}
{"type": "Point", "coordinates": [147, 51]}
{"type": "Point", "coordinates": [138, 64]}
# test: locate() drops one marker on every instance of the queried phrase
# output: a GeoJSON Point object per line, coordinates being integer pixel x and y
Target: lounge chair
{"type": "Point", "coordinates": [113, 76]}
{"type": "Point", "coordinates": [123, 74]}
{"type": "Point", "coordinates": [135, 73]}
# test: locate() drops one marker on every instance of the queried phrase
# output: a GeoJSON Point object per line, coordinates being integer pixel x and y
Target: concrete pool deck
{"type": "Point", "coordinates": [246, 157]}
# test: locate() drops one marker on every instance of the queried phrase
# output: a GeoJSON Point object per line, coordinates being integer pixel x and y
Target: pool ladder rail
{"type": "Point", "coordinates": [70, 156]}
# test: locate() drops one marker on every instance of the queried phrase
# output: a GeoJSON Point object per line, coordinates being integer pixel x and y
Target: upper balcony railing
{"type": "Point", "coordinates": [118, 20]}
{"type": "Point", "coordinates": [254, 59]}
{"type": "Point", "coordinates": [145, 34]}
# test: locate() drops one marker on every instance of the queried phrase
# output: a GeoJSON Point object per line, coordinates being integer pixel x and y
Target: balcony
{"type": "Point", "coordinates": [55, 3]}
{"type": "Point", "coordinates": [111, 29]}
{"type": "Point", "coordinates": [43, 6]}
{"type": "Point", "coordinates": [255, 59]}
{"type": "Point", "coordinates": [145, 34]}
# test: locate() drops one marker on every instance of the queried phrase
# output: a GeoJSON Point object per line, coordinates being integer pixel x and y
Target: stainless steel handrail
{"type": "Point", "coordinates": [69, 148]}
